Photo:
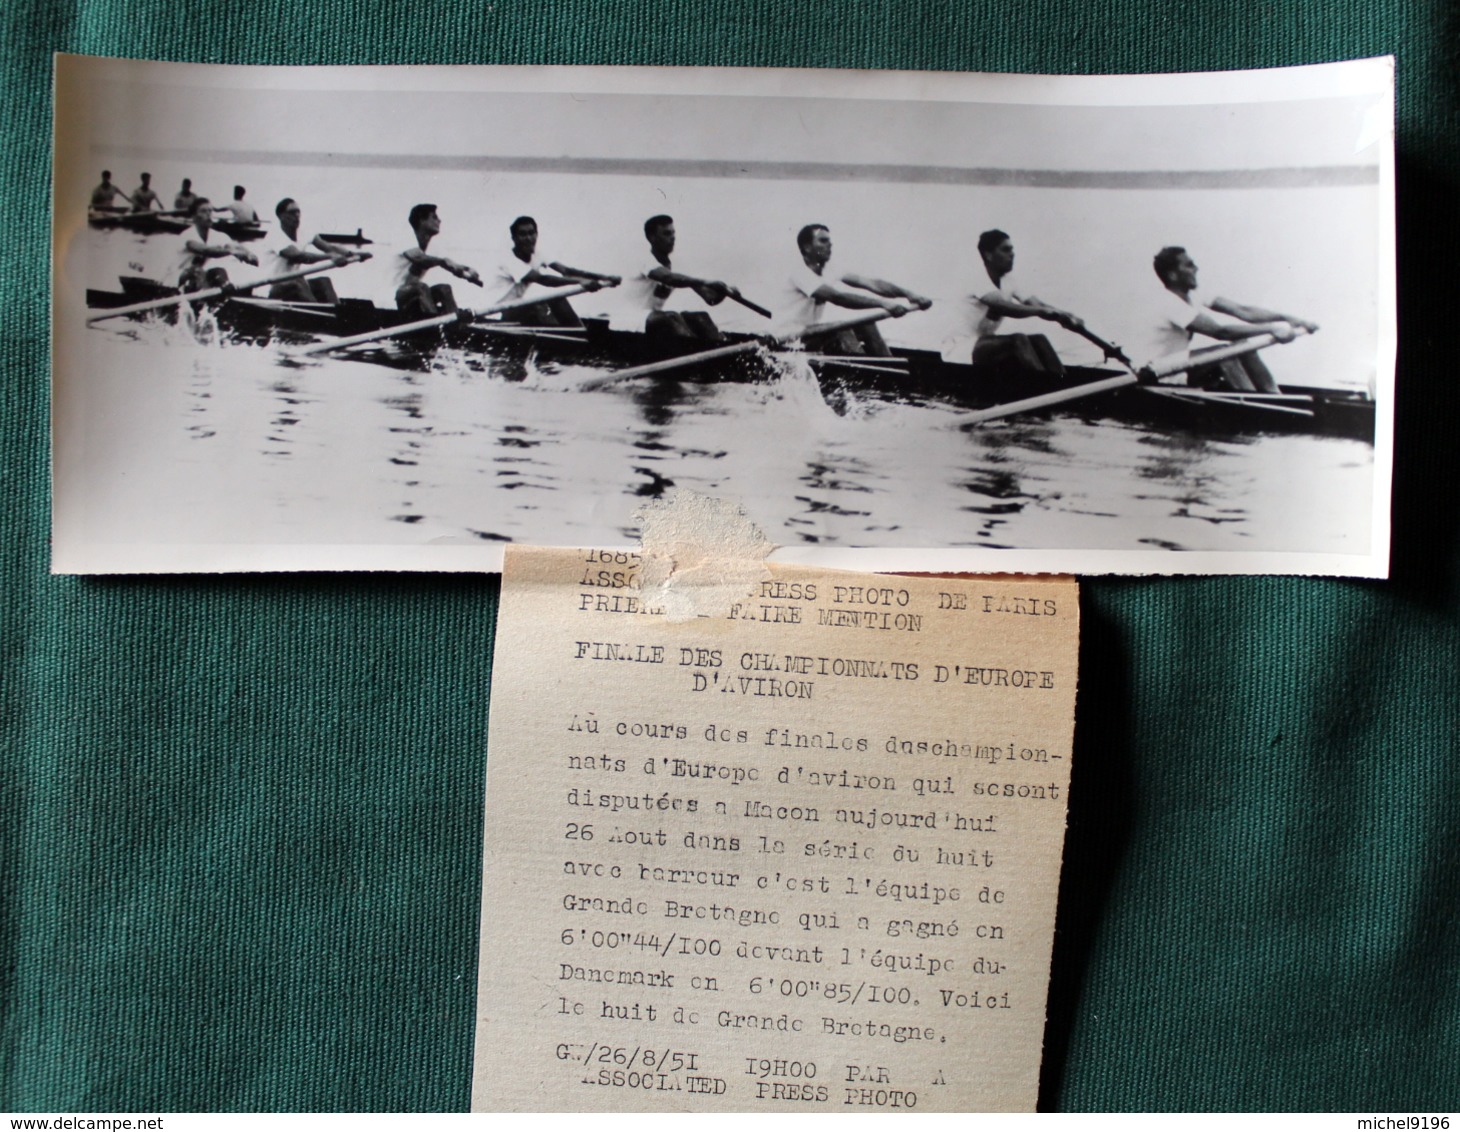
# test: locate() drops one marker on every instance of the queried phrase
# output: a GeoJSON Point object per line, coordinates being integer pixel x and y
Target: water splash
{"type": "Point", "coordinates": [795, 383]}
{"type": "Point", "coordinates": [189, 330]}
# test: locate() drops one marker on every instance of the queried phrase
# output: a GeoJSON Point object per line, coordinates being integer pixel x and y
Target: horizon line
{"type": "Point", "coordinates": [1322, 176]}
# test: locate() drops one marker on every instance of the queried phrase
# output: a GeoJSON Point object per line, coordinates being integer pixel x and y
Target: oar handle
{"type": "Point", "coordinates": [1166, 367]}
{"type": "Point", "coordinates": [206, 293]}
{"type": "Point", "coordinates": [1109, 349]}
{"type": "Point", "coordinates": [532, 301]}
{"type": "Point", "coordinates": [819, 329]}
{"type": "Point", "coordinates": [744, 302]}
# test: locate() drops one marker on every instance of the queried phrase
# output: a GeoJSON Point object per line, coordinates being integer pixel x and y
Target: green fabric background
{"type": "Point", "coordinates": [242, 816]}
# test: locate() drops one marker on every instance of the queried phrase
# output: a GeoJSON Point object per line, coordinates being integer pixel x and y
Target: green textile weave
{"type": "Point", "coordinates": [241, 816]}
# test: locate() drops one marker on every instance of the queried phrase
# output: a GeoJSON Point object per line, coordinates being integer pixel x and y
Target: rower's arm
{"type": "Point", "coordinates": [713, 291]}
{"type": "Point", "coordinates": [887, 289]}
{"type": "Point", "coordinates": [1248, 313]}
{"type": "Point", "coordinates": [579, 275]}
{"type": "Point", "coordinates": [1204, 323]}
{"type": "Point", "coordinates": [826, 293]}
{"type": "Point", "coordinates": [221, 251]}
{"type": "Point", "coordinates": [1028, 306]}
{"type": "Point", "coordinates": [680, 279]}
{"type": "Point", "coordinates": [548, 279]}
{"type": "Point", "coordinates": [210, 251]}
{"type": "Point", "coordinates": [302, 253]}
{"type": "Point", "coordinates": [337, 251]}
{"type": "Point", "coordinates": [423, 260]}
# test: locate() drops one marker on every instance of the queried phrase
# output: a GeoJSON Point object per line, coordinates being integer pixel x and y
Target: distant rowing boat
{"type": "Point", "coordinates": [150, 223]}
{"type": "Point", "coordinates": [910, 375]}
{"type": "Point", "coordinates": [144, 223]}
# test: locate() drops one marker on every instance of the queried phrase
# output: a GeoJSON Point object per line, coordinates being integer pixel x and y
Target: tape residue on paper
{"type": "Point", "coordinates": [701, 555]}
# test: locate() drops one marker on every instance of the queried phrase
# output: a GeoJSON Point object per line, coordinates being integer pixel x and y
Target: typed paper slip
{"type": "Point", "coordinates": [800, 855]}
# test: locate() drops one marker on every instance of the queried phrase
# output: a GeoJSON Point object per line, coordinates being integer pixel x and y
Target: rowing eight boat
{"type": "Point", "coordinates": [910, 375]}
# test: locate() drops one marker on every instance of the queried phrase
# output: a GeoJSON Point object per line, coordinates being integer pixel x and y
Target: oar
{"type": "Point", "coordinates": [1154, 371]}
{"type": "Point", "coordinates": [671, 364]}
{"type": "Point", "coordinates": [438, 320]}
{"type": "Point", "coordinates": [1165, 367]}
{"type": "Point", "coordinates": [746, 347]}
{"type": "Point", "coordinates": [818, 329]}
{"type": "Point", "coordinates": [1246, 400]}
{"type": "Point", "coordinates": [206, 293]}
{"type": "Point", "coordinates": [744, 302]}
{"type": "Point", "coordinates": [1109, 349]}
{"type": "Point", "coordinates": [1089, 389]}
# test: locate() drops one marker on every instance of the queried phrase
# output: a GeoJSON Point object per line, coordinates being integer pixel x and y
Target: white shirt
{"type": "Point", "coordinates": [279, 244]}
{"type": "Point", "coordinates": [404, 270]}
{"type": "Point", "coordinates": [187, 261]}
{"type": "Point", "coordinates": [512, 273]}
{"type": "Point", "coordinates": [975, 320]}
{"type": "Point", "coordinates": [795, 309]}
{"type": "Point", "coordinates": [641, 295]}
{"type": "Point", "coordinates": [243, 212]}
{"type": "Point", "coordinates": [1167, 329]}
{"type": "Point", "coordinates": [646, 294]}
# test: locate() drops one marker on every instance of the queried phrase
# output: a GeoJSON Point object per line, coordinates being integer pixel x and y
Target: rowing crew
{"type": "Point", "coordinates": [813, 285]}
{"type": "Point", "coordinates": [810, 287]}
{"type": "Point", "coordinates": [144, 199]}
{"type": "Point", "coordinates": [202, 244]}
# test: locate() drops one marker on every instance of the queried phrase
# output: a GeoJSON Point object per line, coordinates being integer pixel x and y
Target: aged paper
{"type": "Point", "coordinates": [799, 856]}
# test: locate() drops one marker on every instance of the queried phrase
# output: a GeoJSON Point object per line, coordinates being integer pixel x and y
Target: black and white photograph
{"type": "Point", "coordinates": [396, 318]}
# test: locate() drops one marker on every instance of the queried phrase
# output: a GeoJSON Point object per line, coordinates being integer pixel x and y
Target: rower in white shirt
{"type": "Point", "coordinates": [413, 294]}
{"type": "Point", "coordinates": [291, 251]}
{"type": "Point", "coordinates": [813, 284]}
{"type": "Point", "coordinates": [1175, 317]}
{"type": "Point", "coordinates": [525, 266]}
{"type": "Point", "coordinates": [649, 293]}
{"type": "Point", "coordinates": [986, 311]}
{"type": "Point", "coordinates": [202, 243]}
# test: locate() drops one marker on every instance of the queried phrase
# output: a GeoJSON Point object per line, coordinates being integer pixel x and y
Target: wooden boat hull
{"type": "Point", "coordinates": [910, 376]}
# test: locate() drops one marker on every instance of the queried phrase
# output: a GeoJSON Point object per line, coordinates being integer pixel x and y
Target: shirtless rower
{"type": "Point", "coordinates": [292, 252]}
{"type": "Point", "coordinates": [413, 294]}
{"type": "Point", "coordinates": [144, 197]}
{"type": "Point", "coordinates": [1026, 353]}
{"type": "Point", "coordinates": [812, 285]}
{"type": "Point", "coordinates": [201, 244]}
{"type": "Point", "coordinates": [652, 288]}
{"type": "Point", "coordinates": [186, 199]}
{"type": "Point", "coordinates": [1177, 316]}
{"type": "Point", "coordinates": [104, 196]}
{"type": "Point", "coordinates": [525, 266]}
